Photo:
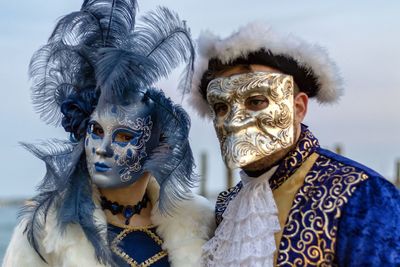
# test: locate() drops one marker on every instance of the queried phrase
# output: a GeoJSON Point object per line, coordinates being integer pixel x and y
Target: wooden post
{"type": "Point", "coordinates": [338, 149]}
{"type": "Point", "coordinates": [203, 174]}
{"type": "Point", "coordinates": [229, 177]}
{"type": "Point", "coordinates": [397, 178]}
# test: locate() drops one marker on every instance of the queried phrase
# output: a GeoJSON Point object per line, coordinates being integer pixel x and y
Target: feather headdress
{"type": "Point", "coordinates": [100, 54]}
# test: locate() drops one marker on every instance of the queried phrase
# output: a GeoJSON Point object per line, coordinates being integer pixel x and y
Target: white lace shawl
{"type": "Point", "coordinates": [245, 236]}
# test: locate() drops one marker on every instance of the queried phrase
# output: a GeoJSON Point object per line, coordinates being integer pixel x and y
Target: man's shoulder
{"type": "Point", "coordinates": [369, 224]}
{"type": "Point", "coordinates": [344, 164]}
{"type": "Point", "coordinates": [352, 172]}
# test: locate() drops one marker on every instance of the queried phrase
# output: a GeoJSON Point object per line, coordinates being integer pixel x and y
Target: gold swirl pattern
{"type": "Point", "coordinates": [283, 116]}
{"type": "Point", "coordinates": [309, 235]}
{"type": "Point", "coordinates": [306, 145]}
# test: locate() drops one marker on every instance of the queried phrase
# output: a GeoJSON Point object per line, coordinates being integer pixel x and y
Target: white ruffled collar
{"type": "Point", "coordinates": [245, 236]}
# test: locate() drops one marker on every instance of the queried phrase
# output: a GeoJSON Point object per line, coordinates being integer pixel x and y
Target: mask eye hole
{"type": "Point", "coordinates": [123, 137]}
{"type": "Point", "coordinates": [220, 109]}
{"type": "Point", "coordinates": [256, 103]}
{"type": "Point", "coordinates": [126, 136]}
{"type": "Point", "coordinates": [96, 129]}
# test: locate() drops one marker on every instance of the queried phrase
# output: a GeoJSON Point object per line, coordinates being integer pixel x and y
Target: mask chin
{"type": "Point", "coordinates": [104, 181]}
{"type": "Point", "coordinates": [243, 150]}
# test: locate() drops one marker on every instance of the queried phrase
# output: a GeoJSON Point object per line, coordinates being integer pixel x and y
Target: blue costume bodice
{"type": "Point", "coordinates": [137, 247]}
{"type": "Point", "coordinates": [343, 215]}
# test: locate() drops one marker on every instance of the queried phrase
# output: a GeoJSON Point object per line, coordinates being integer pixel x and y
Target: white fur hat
{"type": "Point", "coordinates": [310, 61]}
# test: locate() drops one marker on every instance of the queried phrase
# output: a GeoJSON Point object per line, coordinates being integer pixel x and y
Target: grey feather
{"type": "Point", "coordinates": [164, 37]}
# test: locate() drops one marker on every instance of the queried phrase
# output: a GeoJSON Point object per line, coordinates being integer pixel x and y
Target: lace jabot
{"type": "Point", "coordinates": [245, 236]}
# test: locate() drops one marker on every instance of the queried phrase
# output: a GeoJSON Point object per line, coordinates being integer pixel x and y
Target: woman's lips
{"type": "Point", "coordinates": [101, 167]}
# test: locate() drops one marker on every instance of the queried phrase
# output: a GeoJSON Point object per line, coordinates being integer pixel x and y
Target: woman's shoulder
{"type": "Point", "coordinates": [196, 207]}
{"type": "Point", "coordinates": [19, 251]}
{"type": "Point", "coordinates": [185, 229]}
{"type": "Point", "coordinates": [193, 215]}
{"type": "Point", "coordinates": [54, 245]}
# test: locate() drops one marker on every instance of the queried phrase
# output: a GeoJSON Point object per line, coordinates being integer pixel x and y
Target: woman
{"type": "Point", "coordinates": [118, 193]}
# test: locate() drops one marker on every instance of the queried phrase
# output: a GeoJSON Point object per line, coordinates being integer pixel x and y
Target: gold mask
{"type": "Point", "coordinates": [246, 134]}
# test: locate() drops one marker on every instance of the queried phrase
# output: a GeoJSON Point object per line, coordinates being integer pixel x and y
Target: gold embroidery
{"type": "Point", "coordinates": [126, 257]}
{"type": "Point", "coordinates": [134, 228]}
{"type": "Point", "coordinates": [309, 237]}
{"type": "Point", "coordinates": [306, 146]}
{"type": "Point", "coordinates": [285, 194]}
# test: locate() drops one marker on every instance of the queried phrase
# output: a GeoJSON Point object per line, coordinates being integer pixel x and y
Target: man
{"type": "Point", "coordinates": [297, 204]}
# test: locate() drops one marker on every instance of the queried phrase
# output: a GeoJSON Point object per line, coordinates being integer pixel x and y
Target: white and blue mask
{"type": "Point", "coordinates": [118, 141]}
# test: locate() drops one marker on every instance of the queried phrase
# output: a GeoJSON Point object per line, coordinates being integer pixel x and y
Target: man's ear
{"type": "Point", "coordinates": [300, 106]}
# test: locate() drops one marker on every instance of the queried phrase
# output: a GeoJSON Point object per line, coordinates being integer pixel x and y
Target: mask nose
{"type": "Point", "coordinates": [237, 119]}
{"type": "Point", "coordinates": [105, 149]}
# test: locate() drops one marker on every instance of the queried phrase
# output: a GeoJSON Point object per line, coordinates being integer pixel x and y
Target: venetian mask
{"type": "Point", "coordinates": [252, 114]}
{"type": "Point", "coordinates": [118, 141]}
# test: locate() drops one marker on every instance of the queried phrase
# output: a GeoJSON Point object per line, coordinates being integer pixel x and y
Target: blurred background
{"type": "Point", "coordinates": [361, 36]}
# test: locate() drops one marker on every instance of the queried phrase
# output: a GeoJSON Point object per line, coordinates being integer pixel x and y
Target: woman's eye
{"type": "Point", "coordinates": [123, 137]}
{"type": "Point", "coordinates": [220, 109]}
{"type": "Point", "coordinates": [256, 103]}
{"type": "Point", "coordinates": [97, 130]}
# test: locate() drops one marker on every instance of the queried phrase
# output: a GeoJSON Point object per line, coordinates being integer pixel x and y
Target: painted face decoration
{"type": "Point", "coordinates": [118, 140]}
{"type": "Point", "coordinates": [253, 115]}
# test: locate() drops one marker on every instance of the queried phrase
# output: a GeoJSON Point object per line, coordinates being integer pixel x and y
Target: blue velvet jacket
{"type": "Point", "coordinates": [344, 214]}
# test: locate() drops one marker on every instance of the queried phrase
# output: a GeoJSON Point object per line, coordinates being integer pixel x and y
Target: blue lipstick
{"type": "Point", "coordinates": [101, 167]}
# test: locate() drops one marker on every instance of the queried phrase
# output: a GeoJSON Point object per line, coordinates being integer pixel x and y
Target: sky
{"type": "Point", "coordinates": [361, 36]}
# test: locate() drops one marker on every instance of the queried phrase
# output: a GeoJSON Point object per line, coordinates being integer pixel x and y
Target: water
{"type": "Point", "coordinates": [8, 220]}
